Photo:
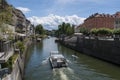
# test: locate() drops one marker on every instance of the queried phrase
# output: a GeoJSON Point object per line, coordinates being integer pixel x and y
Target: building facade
{"type": "Point", "coordinates": [117, 20]}
{"type": "Point", "coordinates": [102, 21]}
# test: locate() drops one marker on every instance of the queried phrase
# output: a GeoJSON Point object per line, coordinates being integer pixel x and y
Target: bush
{"type": "Point", "coordinates": [10, 62]}
{"type": "Point", "coordinates": [20, 45]}
{"type": "Point", "coordinates": [101, 31]}
{"type": "Point", "coordinates": [116, 31]}
{"type": "Point", "coordinates": [94, 31]}
{"type": "Point", "coordinates": [104, 31]}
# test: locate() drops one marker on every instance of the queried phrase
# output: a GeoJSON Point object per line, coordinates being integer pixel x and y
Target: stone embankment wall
{"type": "Point", "coordinates": [18, 67]}
{"type": "Point", "coordinates": [108, 50]}
{"type": "Point", "coordinates": [21, 62]}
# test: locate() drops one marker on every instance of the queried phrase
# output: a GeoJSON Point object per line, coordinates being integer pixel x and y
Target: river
{"type": "Point", "coordinates": [84, 67]}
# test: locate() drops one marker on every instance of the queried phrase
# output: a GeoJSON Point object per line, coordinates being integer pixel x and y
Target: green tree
{"type": "Point", "coordinates": [101, 31]}
{"type": "Point", "coordinates": [104, 31]}
{"type": "Point", "coordinates": [94, 31]}
{"type": "Point", "coordinates": [20, 45]}
{"type": "Point", "coordinates": [39, 29]}
{"type": "Point", "coordinates": [84, 30]}
{"type": "Point", "coordinates": [116, 31]}
{"type": "Point", "coordinates": [65, 29]}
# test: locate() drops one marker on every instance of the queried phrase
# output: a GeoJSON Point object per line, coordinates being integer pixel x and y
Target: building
{"type": "Point", "coordinates": [6, 45]}
{"type": "Point", "coordinates": [102, 20]}
{"type": "Point", "coordinates": [29, 28]}
{"type": "Point", "coordinates": [117, 20]}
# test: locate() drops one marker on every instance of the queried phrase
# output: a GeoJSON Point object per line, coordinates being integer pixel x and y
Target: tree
{"type": "Point", "coordinates": [39, 29]}
{"type": "Point", "coordinates": [116, 31]}
{"type": "Point", "coordinates": [101, 31]}
{"type": "Point", "coordinates": [94, 31]}
{"type": "Point", "coordinates": [104, 31]}
{"type": "Point", "coordinates": [65, 29]}
{"type": "Point", "coordinates": [84, 30]}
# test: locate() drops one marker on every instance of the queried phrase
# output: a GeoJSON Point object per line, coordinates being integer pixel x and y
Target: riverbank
{"type": "Point", "coordinates": [17, 72]}
{"type": "Point", "coordinates": [107, 50]}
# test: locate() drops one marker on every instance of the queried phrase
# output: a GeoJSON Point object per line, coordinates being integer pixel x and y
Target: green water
{"type": "Point", "coordinates": [37, 65]}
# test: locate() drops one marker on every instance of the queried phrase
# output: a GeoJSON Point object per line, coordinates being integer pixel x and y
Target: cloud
{"type": "Point", "coordinates": [23, 9]}
{"type": "Point", "coordinates": [52, 21]}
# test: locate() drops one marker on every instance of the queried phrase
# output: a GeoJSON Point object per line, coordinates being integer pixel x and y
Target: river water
{"type": "Point", "coordinates": [37, 65]}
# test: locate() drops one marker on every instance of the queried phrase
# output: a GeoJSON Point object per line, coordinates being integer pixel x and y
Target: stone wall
{"type": "Point", "coordinates": [108, 50]}
{"type": "Point", "coordinates": [18, 67]}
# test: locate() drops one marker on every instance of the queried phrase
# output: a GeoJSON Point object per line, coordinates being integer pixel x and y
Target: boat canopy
{"type": "Point", "coordinates": [57, 56]}
{"type": "Point", "coordinates": [54, 52]}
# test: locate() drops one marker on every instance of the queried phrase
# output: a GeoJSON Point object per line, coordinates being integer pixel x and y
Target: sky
{"type": "Point", "coordinates": [51, 13]}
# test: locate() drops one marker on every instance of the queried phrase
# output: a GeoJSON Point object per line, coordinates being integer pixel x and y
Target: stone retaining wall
{"type": "Point", "coordinates": [18, 67]}
{"type": "Point", "coordinates": [108, 50]}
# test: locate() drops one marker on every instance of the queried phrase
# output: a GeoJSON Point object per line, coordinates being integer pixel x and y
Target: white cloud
{"type": "Point", "coordinates": [52, 21]}
{"type": "Point", "coordinates": [23, 9]}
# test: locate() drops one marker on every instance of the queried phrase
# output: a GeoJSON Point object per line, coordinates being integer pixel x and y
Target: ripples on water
{"type": "Point", "coordinates": [64, 73]}
{"type": "Point", "coordinates": [45, 61]}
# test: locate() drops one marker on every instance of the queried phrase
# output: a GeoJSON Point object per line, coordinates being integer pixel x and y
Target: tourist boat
{"type": "Point", "coordinates": [57, 60]}
{"type": "Point", "coordinates": [38, 39]}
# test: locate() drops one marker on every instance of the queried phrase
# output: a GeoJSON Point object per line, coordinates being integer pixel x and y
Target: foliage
{"type": "Point", "coordinates": [104, 31]}
{"type": "Point", "coordinates": [10, 62]}
{"type": "Point", "coordinates": [14, 57]}
{"type": "Point", "coordinates": [6, 15]}
{"type": "Point", "coordinates": [5, 30]}
{"type": "Point", "coordinates": [84, 30]}
{"type": "Point", "coordinates": [11, 38]}
{"type": "Point", "coordinates": [116, 31]}
{"type": "Point", "coordinates": [20, 45]}
{"type": "Point", "coordinates": [94, 31]}
{"type": "Point", "coordinates": [64, 29]}
{"type": "Point", "coordinates": [39, 29]}
{"type": "Point", "coordinates": [101, 31]}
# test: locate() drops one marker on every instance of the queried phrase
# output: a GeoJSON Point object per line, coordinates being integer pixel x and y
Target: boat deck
{"type": "Point", "coordinates": [57, 60]}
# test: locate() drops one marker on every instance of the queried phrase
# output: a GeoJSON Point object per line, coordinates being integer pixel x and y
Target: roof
{"type": "Point", "coordinates": [54, 52]}
{"type": "Point", "coordinates": [57, 56]}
